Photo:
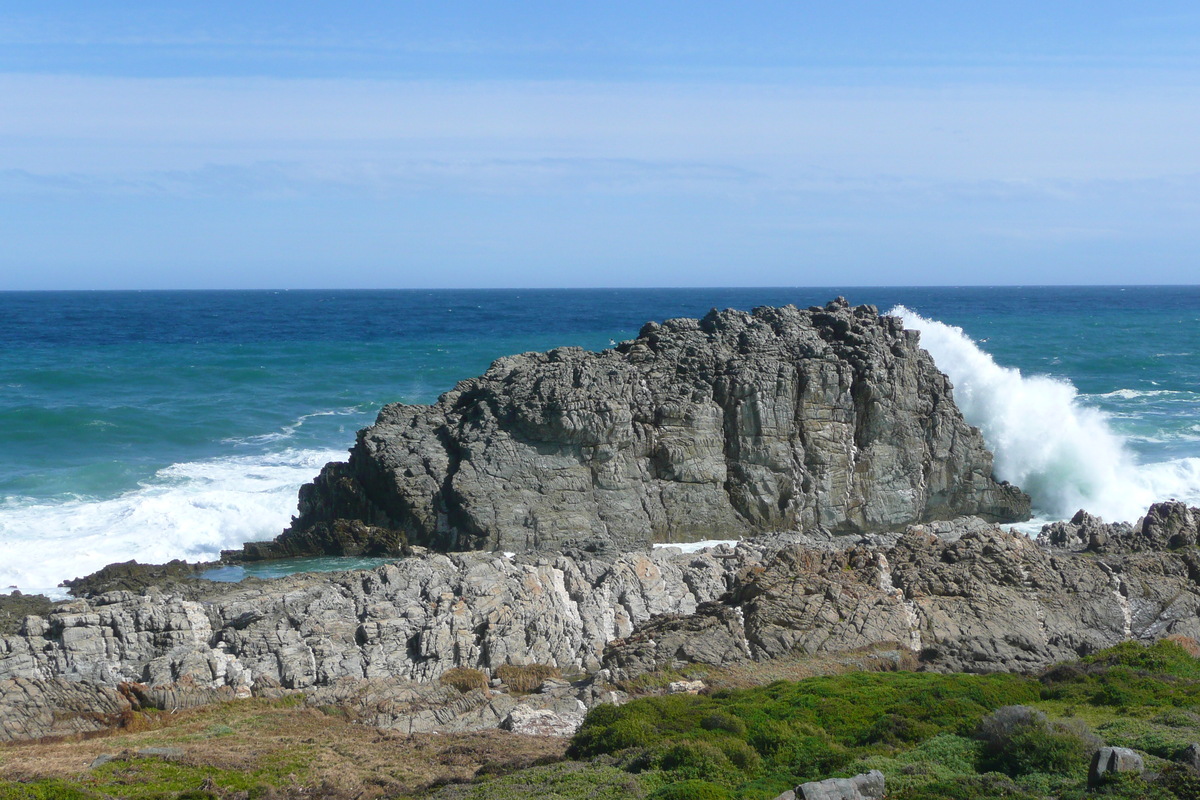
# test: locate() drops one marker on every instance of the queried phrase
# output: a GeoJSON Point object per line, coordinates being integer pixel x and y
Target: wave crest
{"type": "Point", "coordinates": [191, 510]}
{"type": "Point", "coordinates": [1064, 454]}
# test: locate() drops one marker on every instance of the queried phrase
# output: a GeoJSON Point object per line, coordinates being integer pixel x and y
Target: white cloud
{"type": "Point", "coordinates": [68, 125]}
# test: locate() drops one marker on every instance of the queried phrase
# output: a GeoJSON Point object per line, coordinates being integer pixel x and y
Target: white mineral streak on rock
{"type": "Point", "coordinates": [1118, 591]}
{"type": "Point", "coordinates": [887, 584]}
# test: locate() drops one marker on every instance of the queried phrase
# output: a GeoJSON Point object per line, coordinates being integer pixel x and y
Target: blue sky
{"type": "Point", "coordinates": [315, 144]}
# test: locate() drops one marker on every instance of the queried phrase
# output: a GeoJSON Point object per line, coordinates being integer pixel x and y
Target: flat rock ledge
{"type": "Point", "coordinates": [732, 425]}
{"type": "Point", "coordinates": [962, 595]}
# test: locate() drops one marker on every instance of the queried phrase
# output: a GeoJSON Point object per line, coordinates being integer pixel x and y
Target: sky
{"type": "Point", "coordinates": [147, 145]}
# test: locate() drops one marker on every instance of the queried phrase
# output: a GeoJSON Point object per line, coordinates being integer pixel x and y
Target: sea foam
{"type": "Point", "coordinates": [1065, 454]}
{"type": "Point", "coordinates": [190, 511]}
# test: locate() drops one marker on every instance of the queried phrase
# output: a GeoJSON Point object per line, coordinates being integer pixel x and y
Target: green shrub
{"type": "Point", "coordinates": [1018, 740]}
{"type": "Point", "coordinates": [897, 729]}
{"type": "Point", "coordinates": [620, 734]}
{"type": "Point", "coordinates": [1161, 658]}
{"type": "Point", "coordinates": [1158, 740]}
{"type": "Point", "coordinates": [740, 754]}
{"type": "Point", "coordinates": [524, 678]}
{"type": "Point", "coordinates": [1122, 786]}
{"type": "Point", "coordinates": [723, 721]}
{"type": "Point", "coordinates": [691, 790]}
{"type": "Point", "coordinates": [1181, 782]}
{"type": "Point", "coordinates": [464, 679]}
{"type": "Point", "coordinates": [48, 790]}
{"type": "Point", "coordinates": [968, 787]}
{"type": "Point", "coordinates": [949, 750]}
{"type": "Point", "coordinates": [699, 760]}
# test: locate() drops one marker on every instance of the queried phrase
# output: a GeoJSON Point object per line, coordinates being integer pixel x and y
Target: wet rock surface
{"type": "Point", "coordinates": [130, 576]}
{"type": "Point", "coordinates": [734, 424]}
{"type": "Point", "coordinates": [341, 537]}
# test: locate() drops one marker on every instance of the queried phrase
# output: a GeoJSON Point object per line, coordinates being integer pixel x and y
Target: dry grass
{"type": "Point", "coordinates": [464, 679]}
{"type": "Point", "coordinates": [524, 678]}
{"type": "Point", "coordinates": [291, 746]}
{"type": "Point", "coordinates": [874, 658]}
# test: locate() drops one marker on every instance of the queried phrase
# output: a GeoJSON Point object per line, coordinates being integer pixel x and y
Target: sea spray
{"type": "Point", "coordinates": [1065, 454]}
{"type": "Point", "coordinates": [191, 511]}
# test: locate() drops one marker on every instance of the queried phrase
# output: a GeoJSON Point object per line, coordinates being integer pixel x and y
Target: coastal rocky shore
{"type": "Point", "coordinates": [960, 595]}
{"type": "Point", "coordinates": [520, 510]}
{"type": "Point", "coordinates": [731, 425]}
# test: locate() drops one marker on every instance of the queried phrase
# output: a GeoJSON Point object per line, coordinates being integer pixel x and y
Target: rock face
{"type": "Point", "coordinates": [734, 424]}
{"type": "Point", "coordinates": [379, 630]}
{"type": "Point", "coordinates": [1166, 526]}
{"type": "Point", "coordinates": [963, 595]}
{"type": "Point", "coordinates": [341, 537]}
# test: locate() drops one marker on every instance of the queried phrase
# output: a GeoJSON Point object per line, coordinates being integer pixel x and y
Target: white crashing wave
{"type": "Point", "coordinates": [190, 511]}
{"type": "Point", "coordinates": [1065, 455]}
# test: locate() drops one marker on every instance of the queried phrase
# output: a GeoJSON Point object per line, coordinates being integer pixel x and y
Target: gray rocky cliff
{"type": "Point", "coordinates": [734, 424]}
{"type": "Point", "coordinates": [960, 595]}
{"type": "Point", "coordinates": [965, 595]}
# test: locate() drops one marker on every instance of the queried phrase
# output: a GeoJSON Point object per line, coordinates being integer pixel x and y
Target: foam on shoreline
{"type": "Point", "coordinates": [190, 511]}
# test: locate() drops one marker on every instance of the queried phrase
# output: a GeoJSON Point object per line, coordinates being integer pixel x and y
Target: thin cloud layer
{"type": "Point", "coordinates": [436, 147]}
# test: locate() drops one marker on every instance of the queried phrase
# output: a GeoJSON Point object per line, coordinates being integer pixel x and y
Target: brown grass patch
{"type": "Point", "coordinates": [1187, 643]}
{"type": "Point", "coordinates": [524, 678]}
{"type": "Point", "coordinates": [321, 750]}
{"type": "Point", "coordinates": [885, 657]}
{"type": "Point", "coordinates": [464, 679]}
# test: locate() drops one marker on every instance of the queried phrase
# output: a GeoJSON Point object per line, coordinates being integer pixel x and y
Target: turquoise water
{"type": "Point", "coordinates": [289, 566]}
{"type": "Point", "coordinates": [158, 425]}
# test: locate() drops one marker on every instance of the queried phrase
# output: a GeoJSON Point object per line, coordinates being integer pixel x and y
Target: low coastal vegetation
{"type": "Point", "coordinates": [934, 736]}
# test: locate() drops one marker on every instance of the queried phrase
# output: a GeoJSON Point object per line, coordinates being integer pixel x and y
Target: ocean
{"type": "Point", "coordinates": [161, 425]}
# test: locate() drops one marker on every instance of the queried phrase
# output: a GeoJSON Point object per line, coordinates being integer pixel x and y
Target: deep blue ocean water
{"type": "Point", "coordinates": [157, 425]}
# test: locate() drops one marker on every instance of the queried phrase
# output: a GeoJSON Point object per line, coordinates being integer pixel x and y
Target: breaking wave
{"type": "Point", "coordinates": [191, 511]}
{"type": "Point", "coordinates": [1065, 454]}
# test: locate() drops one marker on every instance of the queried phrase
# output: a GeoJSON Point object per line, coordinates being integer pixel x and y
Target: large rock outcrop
{"type": "Point", "coordinates": [960, 595]}
{"type": "Point", "coordinates": [734, 424]}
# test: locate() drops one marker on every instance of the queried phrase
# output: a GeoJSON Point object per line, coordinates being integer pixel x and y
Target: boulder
{"type": "Point", "coordinates": [1111, 760]}
{"type": "Point", "coordinates": [541, 722]}
{"type": "Point", "coordinates": [867, 786]}
{"type": "Point", "coordinates": [685, 687]}
{"type": "Point", "coordinates": [734, 424]}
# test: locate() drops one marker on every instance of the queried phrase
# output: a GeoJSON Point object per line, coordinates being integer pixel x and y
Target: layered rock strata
{"type": "Point", "coordinates": [734, 424]}
{"type": "Point", "coordinates": [962, 595]}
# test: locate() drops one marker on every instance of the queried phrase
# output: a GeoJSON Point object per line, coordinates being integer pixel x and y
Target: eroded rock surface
{"type": "Point", "coordinates": [964, 595]}
{"type": "Point", "coordinates": [410, 621]}
{"type": "Point", "coordinates": [734, 424]}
